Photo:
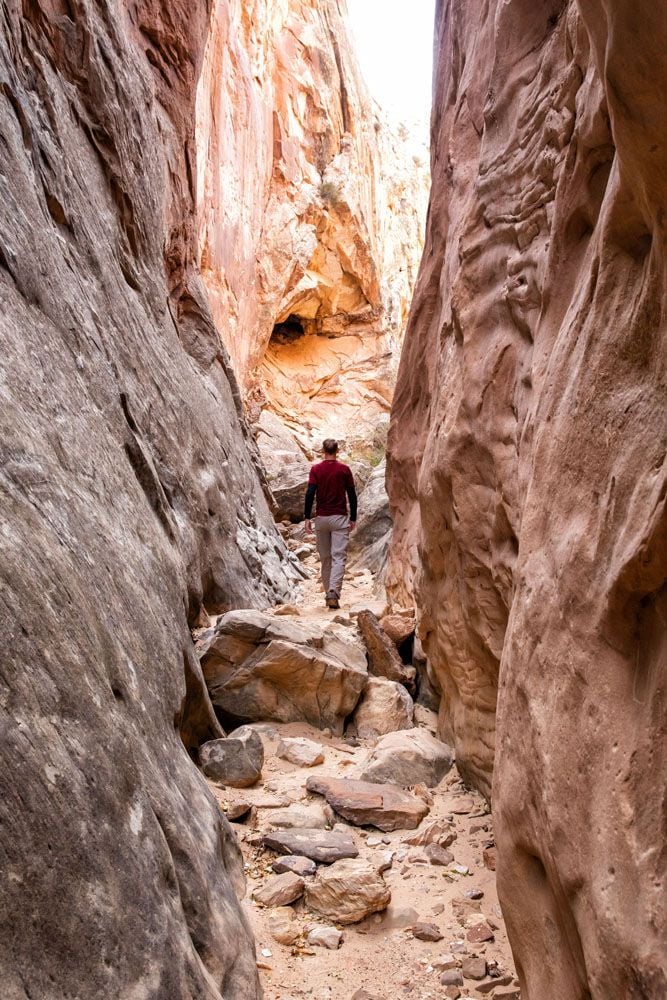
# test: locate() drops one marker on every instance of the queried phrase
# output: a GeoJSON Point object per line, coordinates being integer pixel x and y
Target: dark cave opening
{"type": "Point", "coordinates": [288, 331]}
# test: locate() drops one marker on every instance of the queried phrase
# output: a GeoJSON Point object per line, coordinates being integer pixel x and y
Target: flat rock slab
{"type": "Point", "coordinates": [364, 803]}
{"type": "Point", "coordinates": [323, 846]}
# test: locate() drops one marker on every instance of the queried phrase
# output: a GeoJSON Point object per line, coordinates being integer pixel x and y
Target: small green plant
{"type": "Point", "coordinates": [331, 193]}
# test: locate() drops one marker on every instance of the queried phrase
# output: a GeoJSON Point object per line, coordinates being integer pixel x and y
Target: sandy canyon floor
{"type": "Point", "coordinates": [380, 957]}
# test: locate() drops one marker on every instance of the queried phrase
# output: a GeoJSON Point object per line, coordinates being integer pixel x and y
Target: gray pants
{"type": "Point", "coordinates": [332, 532]}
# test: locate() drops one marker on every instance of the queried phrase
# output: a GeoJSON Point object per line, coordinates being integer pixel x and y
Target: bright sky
{"type": "Point", "coordinates": [395, 49]}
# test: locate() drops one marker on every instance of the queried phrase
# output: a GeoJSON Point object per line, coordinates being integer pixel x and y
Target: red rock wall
{"type": "Point", "coordinates": [128, 496]}
{"type": "Point", "coordinates": [310, 207]}
{"type": "Point", "coordinates": [527, 469]}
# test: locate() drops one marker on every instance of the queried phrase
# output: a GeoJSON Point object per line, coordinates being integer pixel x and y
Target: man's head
{"type": "Point", "coordinates": [330, 448]}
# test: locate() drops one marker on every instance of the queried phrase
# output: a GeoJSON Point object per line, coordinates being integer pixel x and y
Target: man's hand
{"type": "Point", "coordinates": [353, 525]}
{"type": "Point", "coordinates": [309, 527]}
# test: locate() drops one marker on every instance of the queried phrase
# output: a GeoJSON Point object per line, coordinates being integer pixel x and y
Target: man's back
{"type": "Point", "coordinates": [333, 479]}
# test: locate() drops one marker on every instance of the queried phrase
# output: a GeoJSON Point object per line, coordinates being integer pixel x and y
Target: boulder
{"type": "Point", "coordinates": [258, 666]}
{"type": "Point", "coordinates": [300, 816]}
{"type": "Point", "coordinates": [300, 751]}
{"type": "Point", "coordinates": [383, 658]}
{"type": "Point", "coordinates": [236, 760]}
{"type": "Point", "coordinates": [323, 846]}
{"type": "Point", "coordinates": [363, 803]}
{"type": "Point", "coordinates": [348, 891]}
{"type": "Point", "coordinates": [384, 708]}
{"type": "Point", "coordinates": [280, 890]}
{"type": "Point", "coordinates": [408, 757]}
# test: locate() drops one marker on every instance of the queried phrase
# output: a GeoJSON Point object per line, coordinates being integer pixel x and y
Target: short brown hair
{"type": "Point", "coordinates": [330, 446]}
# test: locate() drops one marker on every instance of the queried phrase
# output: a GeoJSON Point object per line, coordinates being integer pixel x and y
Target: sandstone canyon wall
{"type": "Point", "coordinates": [527, 469]}
{"type": "Point", "coordinates": [129, 498]}
{"type": "Point", "coordinates": [311, 220]}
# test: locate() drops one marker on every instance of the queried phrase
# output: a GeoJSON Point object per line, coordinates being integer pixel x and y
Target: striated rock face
{"type": "Point", "coordinates": [527, 468]}
{"type": "Point", "coordinates": [310, 218]}
{"type": "Point", "coordinates": [129, 498]}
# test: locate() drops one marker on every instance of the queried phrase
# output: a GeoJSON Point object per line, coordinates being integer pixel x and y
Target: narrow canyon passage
{"type": "Point", "coordinates": [215, 251]}
{"type": "Point", "coordinates": [414, 911]}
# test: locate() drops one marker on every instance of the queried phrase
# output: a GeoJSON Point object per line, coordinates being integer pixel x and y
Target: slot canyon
{"type": "Point", "coordinates": [216, 250]}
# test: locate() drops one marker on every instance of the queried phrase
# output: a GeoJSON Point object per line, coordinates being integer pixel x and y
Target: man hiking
{"type": "Point", "coordinates": [331, 482]}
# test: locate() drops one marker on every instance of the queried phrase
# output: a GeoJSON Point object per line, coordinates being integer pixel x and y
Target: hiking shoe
{"type": "Point", "coordinates": [332, 602]}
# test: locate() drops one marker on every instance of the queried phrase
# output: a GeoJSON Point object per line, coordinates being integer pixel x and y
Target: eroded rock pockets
{"type": "Point", "coordinates": [528, 497]}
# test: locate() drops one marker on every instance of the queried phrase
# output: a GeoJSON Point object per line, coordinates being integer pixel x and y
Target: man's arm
{"type": "Point", "coordinates": [310, 496]}
{"type": "Point", "coordinates": [352, 500]}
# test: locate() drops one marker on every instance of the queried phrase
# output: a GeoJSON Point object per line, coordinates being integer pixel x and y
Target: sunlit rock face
{"type": "Point", "coordinates": [311, 213]}
{"type": "Point", "coordinates": [129, 496]}
{"type": "Point", "coordinates": [527, 468]}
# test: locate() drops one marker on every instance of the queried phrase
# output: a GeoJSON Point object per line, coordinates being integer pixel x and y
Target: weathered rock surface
{"type": "Point", "coordinates": [348, 891]}
{"type": "Point", "coordinates": [323, 846]}
{"type": "Point", "coordinates": [370, 541]}
{"type": "Point", "coordinates": [384, 708]}
{"type": "Point", "coordinates": [257, 666]}
{"type": "Point", "coordinates": [236, 760]}
{"type": "Point", "coordinates": [409, 757]}
{"type": "Point", "coordinates": [527, 468]}
{"type": "Point", "coordinates": [438, 831]}
{"type": "Point", "coordinates": [363, 803]}
{"type": "Point", "coordinates": [383, 658]}
{"type": "Point", "coordinates": [130, 499]}
{"type": "Point", "coordinates": [310, 263]}
{"type": "Point", "coordinates": [300, 751]}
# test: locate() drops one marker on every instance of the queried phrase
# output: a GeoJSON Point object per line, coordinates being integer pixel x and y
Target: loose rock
{"type": "Point", "coordinates": [473, 968]}
{"type": "Point", "coordinates": [348, 891]}
{"type": "Point", "coordinates": [438, 855]}
{"type": "Point", "coordinates": [298, 865]}
{"type": "Point", "coordinates": [300, 751]}
{"type": "Point", "coordinates": [325, 937]}
{"type": "Point", "coordinates": [437, 831]}
{"type": "Point", "coordinates": [383, 658]}
{"type": "Point", "coordinates": [407, 758]}
{"type": "Point", "coordinates": [283, 926]}
{"type": "Point", "coordinates": [280, 890]}
{"type": "Point", "coordinates": [384, 708]}
{"type": "Point", "coordinates": [300, 815]}
{"type": "Point", "coordinates": [236, 760]}
{"type": "Point", "coordinates": [385, 806]}
{"type": "Point", "coordinates": [427, 932]}
{"type": "Point", "coordinates": [323, 846]}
